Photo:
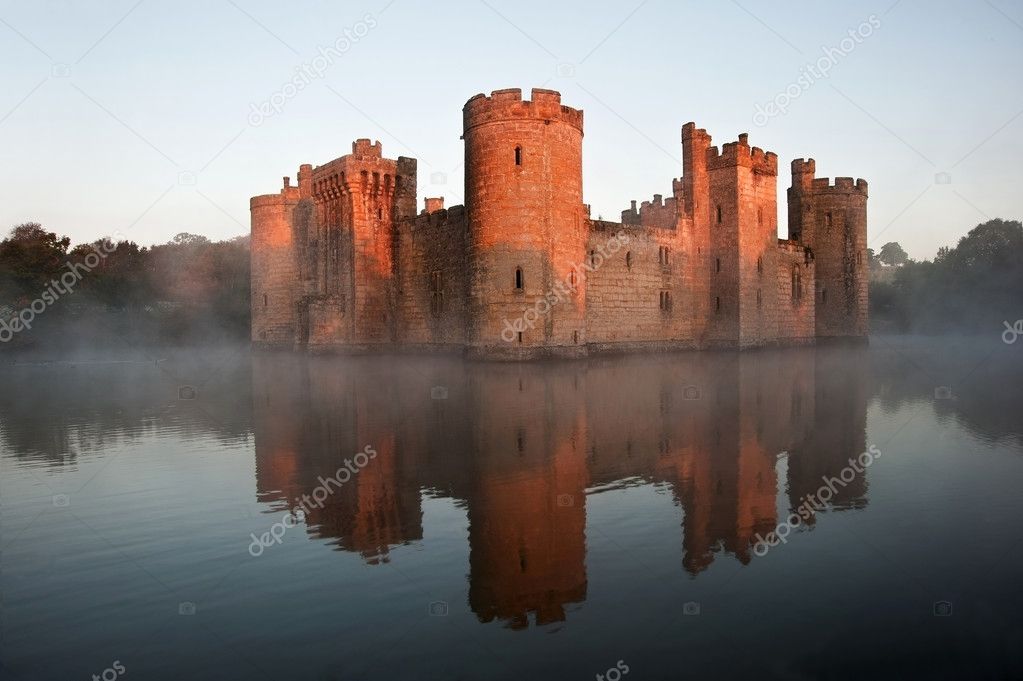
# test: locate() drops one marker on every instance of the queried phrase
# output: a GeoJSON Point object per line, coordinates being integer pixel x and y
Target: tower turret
{"type": "Point", "coordinates": [275, 283]}
{"type": "Point", "coordinates": [832, 220]}
{"type": "Point", "coordinates": [527, 223]}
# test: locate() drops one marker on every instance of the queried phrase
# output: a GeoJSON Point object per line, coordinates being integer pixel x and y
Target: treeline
{"type": "Point", "coordinates": [974, 287]}
{"type": "Point", "coordinates": [185, 291]}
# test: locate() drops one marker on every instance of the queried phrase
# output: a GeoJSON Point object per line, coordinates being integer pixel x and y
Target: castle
{"type": "Point", "coordinates": [343, 260]}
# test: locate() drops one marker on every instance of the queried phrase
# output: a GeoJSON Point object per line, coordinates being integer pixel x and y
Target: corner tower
{"type": "Point", "coordinates": [527, 225]}
{"type": "Point", "coordinates": [832, 220]}
{"type": "Point", "coordinates": [274, 274]}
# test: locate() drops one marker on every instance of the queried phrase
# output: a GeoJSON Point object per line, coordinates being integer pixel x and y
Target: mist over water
{"type": "Point", "coordinates": [206, 514]}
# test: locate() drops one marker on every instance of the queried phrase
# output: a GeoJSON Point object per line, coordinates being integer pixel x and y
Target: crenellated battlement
{"type": "Point", "coordinates": [364, 149]}
{"type": "Point", "coordinates": [508, 105]}
{"type": "Point", "coordinates": [281, 199]}
{"type": "Point", "coordinates": [741, 154]}
{"type": "Point", "coordinates": [364, 171]}
{"type": "Point", "coordinates": [804, 180]}
{"type": "Point", "coordinates": [802, 166]}
{"type": "Point", "coordinates": [439, 218]}
{"type": "Point", "coordinates": [661, 213]}
{"type": "Point", "coordinates": [691, 132]}
{"type": "Point", "coordinates": [794, 246]}
{"type": "Point", "coordinates": [840, 185]}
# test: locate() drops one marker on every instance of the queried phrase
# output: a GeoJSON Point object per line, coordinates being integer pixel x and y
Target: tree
{"type": "Point", "coordinates": [892, 254]}
{"type": "Point", "coordinates": [993, 245]}
{"type": "Point", "coordinates": [30, 257]}
{"type": "Point", "coordinates": [971, 287]}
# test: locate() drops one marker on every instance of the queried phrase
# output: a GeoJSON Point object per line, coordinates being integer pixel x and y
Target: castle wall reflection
{"type": "Point", "coordinates": [521, 447]}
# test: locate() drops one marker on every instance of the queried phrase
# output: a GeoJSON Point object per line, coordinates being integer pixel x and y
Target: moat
{"type": "Point", "coordinates": [220, 513]}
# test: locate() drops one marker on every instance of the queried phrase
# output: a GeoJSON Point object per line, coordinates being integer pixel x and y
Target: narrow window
{"type": "Point", "coordinates": [667, 251]}
{"type": "Point", "coordinates": [518, 279]}
{"type": "Point", "coordinates": [824, 295]}
{"type": "Point", "coordinates": [760, 216]}
{"type": "Point", "coordinates": [380, 213]}
{"type": "Point", "coordinates": [797, 284]}
{"type": "Point", "coordinates": [518, 156]}
{"type": "Point", "coordinates": [593, 259]}
{"type": "Point", "coordinates": [718, 264]}
{"type": "Point", "coordinates": [575, 337]}
{"type": "Point", "coordinates": [827, 220]}
{"type": "Point", "coordinates": [628, 260]}
{"type": "Point", "coordinates": [520, 336]}
{"type": "Point", "coordinates": [437, 293]}
{"type": "Point", "coordinates": [717, 304]}
{"type": "Point", "coordinates": [264, 300]}
{"type": "Point", "coordinates": [571, 277]}
{"type": "Point", "coordinates": [759, 300]}
{"type": "Point", "coordinates": [760, 264]}
{"type": "Point", "coordinates": [719, 214]}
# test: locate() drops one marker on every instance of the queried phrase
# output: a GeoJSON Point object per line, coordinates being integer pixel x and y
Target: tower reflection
{"type": "Point", "coordinates": [737, 438]}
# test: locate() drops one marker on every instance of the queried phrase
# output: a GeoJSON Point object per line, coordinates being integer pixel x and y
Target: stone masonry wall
{"type": "Point", "coordinates": [432, 282]}
{"type": "Point", "coordinates": [343, 262]}
{"type": "Point", "coordinates": [794, 318]}
{"type": "Point", "coordinates": [634, 293]}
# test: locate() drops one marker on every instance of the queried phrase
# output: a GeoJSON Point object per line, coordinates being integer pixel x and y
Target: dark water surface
{"type": "Point", "coordinates": [543, 521]}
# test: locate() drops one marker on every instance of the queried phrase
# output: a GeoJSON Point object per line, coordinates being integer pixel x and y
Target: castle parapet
{"type": "Point", "coordinates": [741, 154]}
{"type": "Point", "coordinates": [506, 105]}
{"type": "Point", "coordinates": [840, 185]}
{"type": "Point", "coordinates": [288, 194]}
{"type": "Point", "coordinates": [442, 217]}
{"type": "Point", "coordinates": [661, 213]}
{"type": "Point", "coordinates": [691, 132]}
{"type": "Point", "coordinates": [793, 246]}
{"type": "Point", "coordinates": [364, 148]}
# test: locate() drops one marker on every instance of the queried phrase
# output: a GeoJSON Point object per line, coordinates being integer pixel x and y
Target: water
{"type": "Point", "coordinates": [544, 521]}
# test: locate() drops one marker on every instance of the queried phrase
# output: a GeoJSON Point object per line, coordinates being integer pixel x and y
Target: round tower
{"type": "Point", "coordinates": [527, 225]}
{"type": "Point", "coordinates": [275, 284]}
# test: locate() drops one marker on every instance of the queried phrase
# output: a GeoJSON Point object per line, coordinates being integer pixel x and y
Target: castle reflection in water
{"type": "Point", "coordinates": [521, 447]}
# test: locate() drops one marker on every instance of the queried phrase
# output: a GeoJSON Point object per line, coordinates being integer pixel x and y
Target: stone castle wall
{"type": "Point", "coordinates": [342, 261]}
{"type": "Point", "coordinates": [432, 279]}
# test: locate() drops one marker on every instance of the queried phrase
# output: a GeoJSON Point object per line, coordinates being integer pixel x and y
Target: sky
{"type": "Point", "coordinates": [147, 118]}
